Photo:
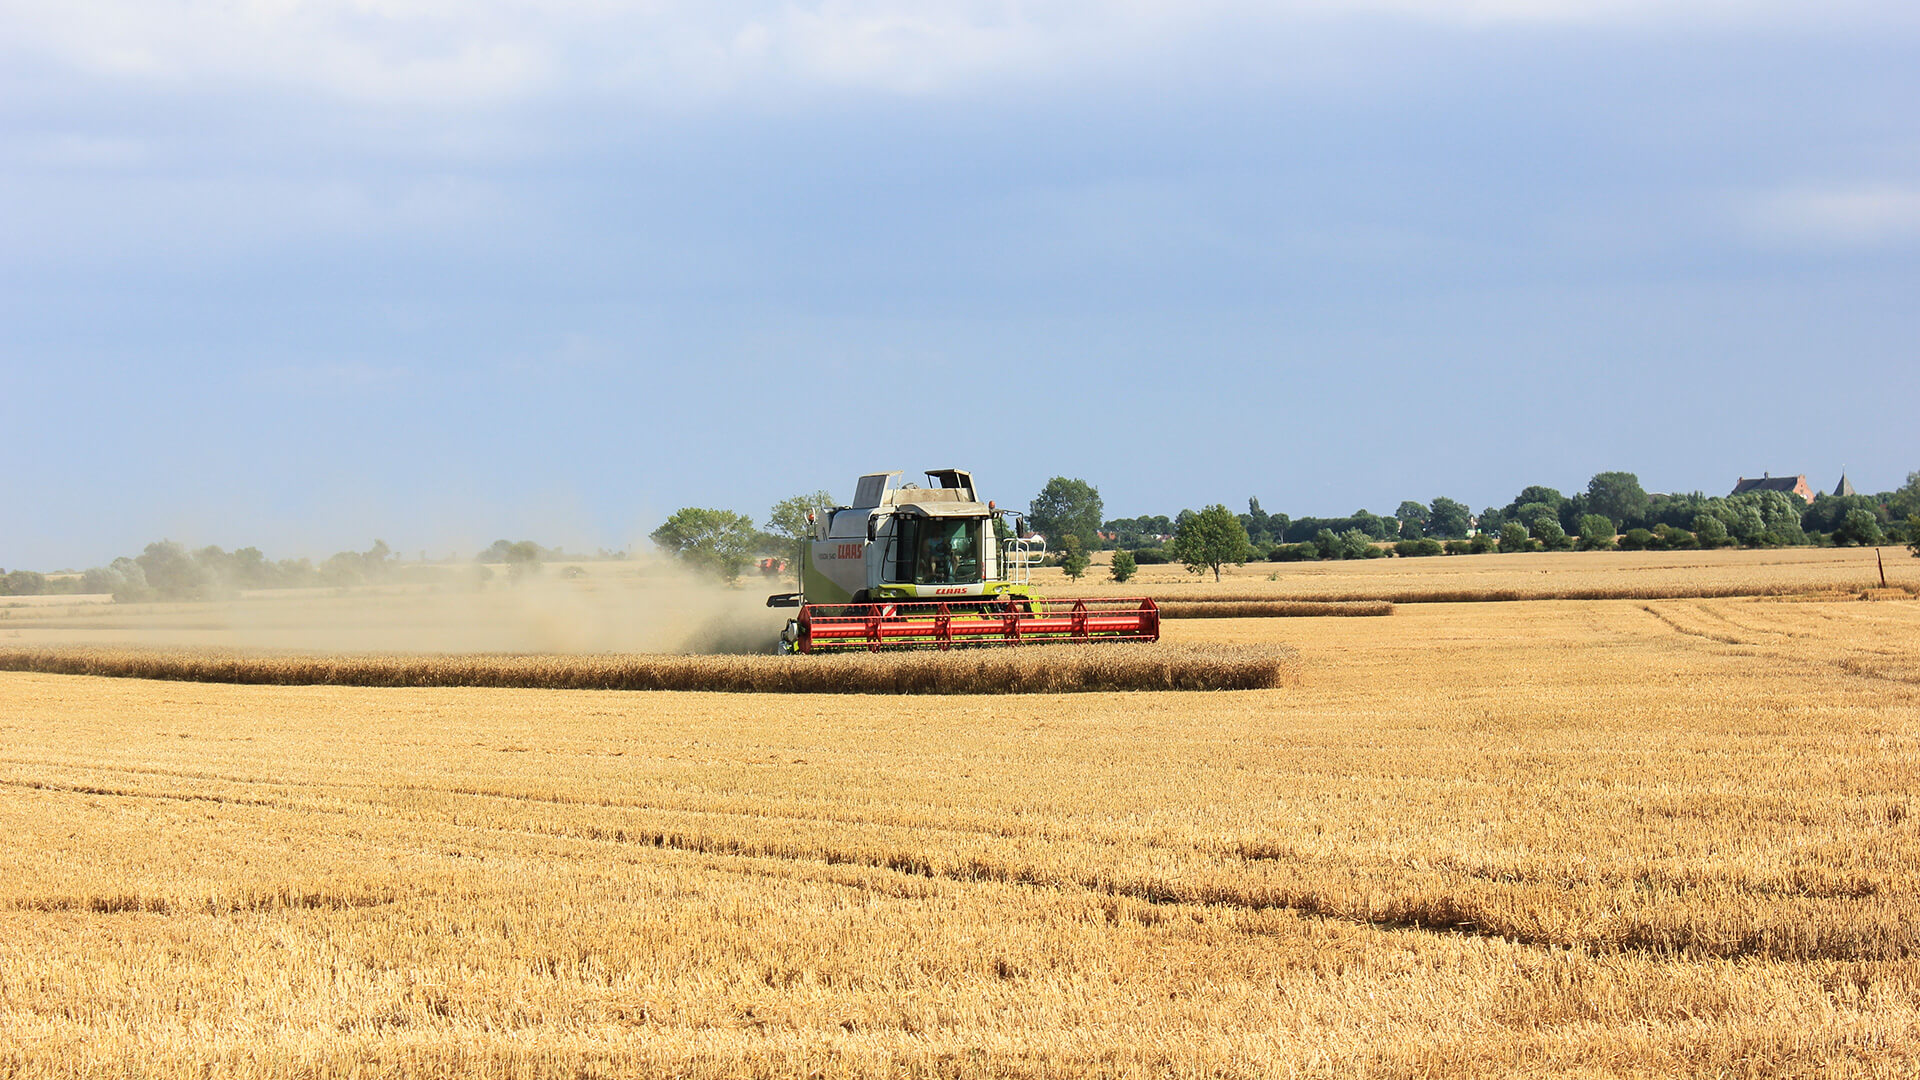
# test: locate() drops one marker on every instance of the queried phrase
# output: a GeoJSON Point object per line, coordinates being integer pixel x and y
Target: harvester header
{"type": "Point", "coordinates": [909, 566]}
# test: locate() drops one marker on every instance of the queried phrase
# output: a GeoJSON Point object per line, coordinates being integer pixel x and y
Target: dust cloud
{"type": "Point", "coordinates": [640, 605]}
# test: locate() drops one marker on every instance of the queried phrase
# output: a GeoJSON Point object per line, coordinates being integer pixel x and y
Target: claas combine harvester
{"type": "Point", "coordinates": [934, 567]}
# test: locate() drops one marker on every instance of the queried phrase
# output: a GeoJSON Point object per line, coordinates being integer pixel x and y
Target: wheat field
{"type": "Point", "coordinates": [1539, 575]}
{"type": "Point", "coordinates": [1628, 837]}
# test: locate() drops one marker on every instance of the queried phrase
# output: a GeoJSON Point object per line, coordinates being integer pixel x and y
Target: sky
{"type": "Point", "coordinates": [297, 274]}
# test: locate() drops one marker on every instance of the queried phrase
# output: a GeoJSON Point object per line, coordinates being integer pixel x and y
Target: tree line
{"type": "Point", "coordinates": [168, 570]}
{"type": "Point", "coordinates": [1614, 511]}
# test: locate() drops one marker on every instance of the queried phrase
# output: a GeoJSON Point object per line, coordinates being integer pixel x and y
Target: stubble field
{"type": "Point", "coordinates": [1617, 837]}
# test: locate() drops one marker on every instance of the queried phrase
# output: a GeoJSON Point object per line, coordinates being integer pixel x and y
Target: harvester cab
{"type": "Point", "coordinates": [912, 565]}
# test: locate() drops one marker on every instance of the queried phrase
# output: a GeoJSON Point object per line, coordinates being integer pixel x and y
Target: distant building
{"type": "Point", "coordinates": [1844, 488]}
{"type": "Point", "coordinates": [1792, 485]}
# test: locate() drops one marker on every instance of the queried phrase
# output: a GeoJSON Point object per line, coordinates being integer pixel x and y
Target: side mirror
{"type": "Point", "coordinates": [1019, 526]}
{"type": "Point", "coordinates": [873, 527]}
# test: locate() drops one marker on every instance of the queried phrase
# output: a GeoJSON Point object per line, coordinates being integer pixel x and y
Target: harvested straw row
{"type": "Point", "coordinates": [1543, 592]}
{"type": "Point", "coordinates": [1270, 609]}
{"type": "Point", "coordinates": [1039, 669]}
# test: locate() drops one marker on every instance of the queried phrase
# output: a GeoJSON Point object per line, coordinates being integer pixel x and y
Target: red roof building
{"type": "Point", "coordinates": [1793, 485]}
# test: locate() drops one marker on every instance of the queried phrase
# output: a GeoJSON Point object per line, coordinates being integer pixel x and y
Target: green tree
{"type": "Point", "coordinates": [1826, 512]}
{"type": "Point", "coordinates": [1535, 493]}
{"type": "Point", "coordinates": [172, 573]}
{"type": "Point", "coordinates": [1636, 540]}
{"type": "Point", "coordinates": [1356, 543]}
{"type": "Point", "coordinates": [789, 517]}
{"type": "Point", "coordinates": [1375, 526]}
{"type": "Point", "coordinates": [523, 560]}
{"type": "Point", "coordinates": [1210, 539]}
{"type": "Point", "coordinates": [1123, 565]}
{"type": "Point", "coordinates": [1533, 514]}
{"type": "Point", "coordinates": [345, 568]}
{"type": "Point", "coordinates": [1904, 501]}
{"type": "Point", "coordinates": [125, 578]}
{"type": "Point", "coordinates": [380, 558]}
{"type": "Point", "coordinates": [1513, 537]}
{"type": "Point", "coordinates": [791, 520]}
{"type": "Point", "coordinates": [1913, 534]}
{"type": "Point", "coordinates": [1573, 510]}
{"type": "Point", "coordinates": [1744, 522]}
{"type": "Point", "coordinates": [1859, 527]}
{"type": "Point", "coordinates": [1711, 531]}
{"type": "Point", "coordinates": [1416, 513]}
{"type": "Point", "coordinates": [23, 583]}
{"type": "Point", "coordinates": [1551, 535]}
{"type": "Point", "coordinates": [1617, 495]}
{"type": "Point", "coordinates": [1447, 519]}
{"type": "Point", "coordinates": [99, 579]}
{"type": "Point", "coordinates": [1258, 524]}
{"type": "Point", "coordinates": [1673, 539]}
{"type": "Point", "coordinates": [1068, 508]}
{"type": "Point", "coordinates": [1596, 532]}
{"type": "Point", "coordinates": [341, 569]}
{"type": "Point", "coordinates": [717, 541]}
{"type": "Point", "coordinates": [1780, 515]}
{"type": "Point", "coordinates": [248, 568]}
{"type": "Point", "coordinates": [1277, 526]}
{"type": "Point", "coordinates": [1138, 532]}
{"type": "Point", "coordinates": [1073, 557]}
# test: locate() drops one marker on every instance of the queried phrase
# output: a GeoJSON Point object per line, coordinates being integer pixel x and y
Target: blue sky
{"type": "Point", "coordinates": [299, 274]}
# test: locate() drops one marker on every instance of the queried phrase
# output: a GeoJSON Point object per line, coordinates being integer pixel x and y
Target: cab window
{"type": "Point", "coordinates": [947, 552]}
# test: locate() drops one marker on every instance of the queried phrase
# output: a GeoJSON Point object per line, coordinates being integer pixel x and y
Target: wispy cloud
{"type": "Point", "coordinates": [1621, 12]}
{"type": "Point", "coordinates": [443, 52]}
{"type": "Point", "coordinates": [1842, 216]}
{"type": "Point", "coordinates": [391, 50]}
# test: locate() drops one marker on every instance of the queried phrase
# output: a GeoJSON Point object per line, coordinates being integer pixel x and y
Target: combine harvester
{"type": "Point", "coordinates": [910, 567]}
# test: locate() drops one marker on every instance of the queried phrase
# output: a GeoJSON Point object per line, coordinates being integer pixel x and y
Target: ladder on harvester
{"type": "Point", "coordinates": [1020, 556]}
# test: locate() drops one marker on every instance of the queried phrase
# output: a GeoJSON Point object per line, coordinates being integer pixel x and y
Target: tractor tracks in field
{"type": "Point", "coordinates": [894, 856]}
{"type": "Point", "coordinates": [1487, 909]}
{"type": "Point", "coordinates": [1401, 907]}
{"type": "Point", "coordinates": [1679, 627]}
{"type": "Point", "coordinates": [268, 902]}
{"type": "Point", "coordinates": [799, 857]}
{"type": "Point", "coordinates": [1796, 648]}
{"type": "Point", "coordinates": [60, 787]}
{"type": "Point", "coordinates": [394, 797]}
{"type": "Point", "coordinates": [889, 860]}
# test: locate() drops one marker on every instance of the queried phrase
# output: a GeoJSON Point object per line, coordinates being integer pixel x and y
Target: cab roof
{"type": "Point", "coordinates": [881, 489]}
